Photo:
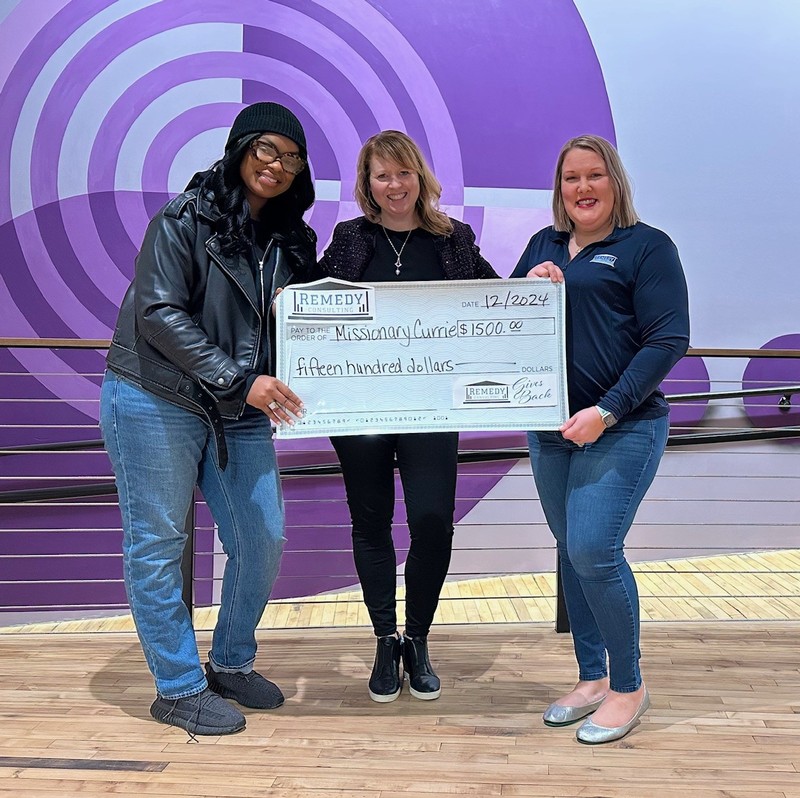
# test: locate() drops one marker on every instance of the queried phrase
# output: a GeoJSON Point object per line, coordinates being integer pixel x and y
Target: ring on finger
{"type": "Point", "coordinates": [273, 405]}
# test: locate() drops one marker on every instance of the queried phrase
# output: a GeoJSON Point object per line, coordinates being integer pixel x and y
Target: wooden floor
{"type": "Point", "coordinates": [751, 586]}
{"type": "Point", "coordinates": [725, 720]}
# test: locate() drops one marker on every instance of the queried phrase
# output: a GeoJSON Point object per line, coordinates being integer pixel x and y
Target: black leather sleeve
{"type": "Point", "coordinates": [166, 282]}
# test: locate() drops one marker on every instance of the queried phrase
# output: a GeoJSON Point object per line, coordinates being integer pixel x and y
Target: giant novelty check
{"type": "Point", "coordinates": [423, 357]}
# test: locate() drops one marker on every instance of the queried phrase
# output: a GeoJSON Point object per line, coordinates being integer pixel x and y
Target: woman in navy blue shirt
{"type": "Point", "coordinates": [627, 324]}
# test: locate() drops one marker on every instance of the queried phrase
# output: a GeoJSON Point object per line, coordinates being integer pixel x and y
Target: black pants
{"type": "Point", "coordinates": [427, 463]}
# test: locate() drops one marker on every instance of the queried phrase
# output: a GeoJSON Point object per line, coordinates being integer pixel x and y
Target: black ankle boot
{"type": "Point", "coordinates": [384, 683]}
{"type": "Point", "coordinates": [422, 681]}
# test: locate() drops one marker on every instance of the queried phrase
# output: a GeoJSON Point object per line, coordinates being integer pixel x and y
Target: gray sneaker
{"type": "Point", "coordinates": [201, 713]}
{"type": "Point", "coordinates": [248, 689]}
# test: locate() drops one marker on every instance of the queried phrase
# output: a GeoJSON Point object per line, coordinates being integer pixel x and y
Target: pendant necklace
{"type": "Point", "coordinates": [398, 252]}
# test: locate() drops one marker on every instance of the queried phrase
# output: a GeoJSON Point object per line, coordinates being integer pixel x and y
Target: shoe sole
{"type": "Point", "coordinates": [613, 739]}
{"type": "Point", "coordinates": [565, 723]}
{"type": "Point", "coordinates": [424, 696]}
{"type": "Point", "coordinates": [384, 699]}
{"type": "Point", "coordinates": [620, 731]}
{"type": "Point", "coordinates": [209, 731]}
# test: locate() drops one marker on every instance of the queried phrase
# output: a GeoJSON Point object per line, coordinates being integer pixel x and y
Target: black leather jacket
{"type": "Point", "coordinates": [190, 328]}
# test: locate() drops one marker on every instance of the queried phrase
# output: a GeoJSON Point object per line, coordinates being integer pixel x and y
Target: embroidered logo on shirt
{"type": "Point", "coordinates": [609, 260]}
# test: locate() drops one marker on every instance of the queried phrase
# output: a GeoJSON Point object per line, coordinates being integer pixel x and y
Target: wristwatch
{"type": "Point", "coordinates": [609, 419]}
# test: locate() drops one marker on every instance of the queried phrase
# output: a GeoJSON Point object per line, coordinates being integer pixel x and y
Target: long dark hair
{"type": "Point", "coordinates": [282, 215]}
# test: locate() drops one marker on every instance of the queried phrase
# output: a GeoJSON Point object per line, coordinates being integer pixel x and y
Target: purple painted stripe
{"type": "Point", "coordinates": [21, 26]}
{"type": "Point", "coordinates": [86, 541]}
{"type": "Point", "coordinates": [57, 242]}
{"type": "Point", "coordinates": [62, 301]}
{"type": "Point", "coordinates": [204, 539]}
{"type": "Point", "coordinates": [134, 210]}
{"type": "Point", "coordinates": [85, 66]}
{"type": "Point", "coordinates": [52, 569]}
{"type": "Point", "coordinates": [110, 275]}
{"type": "Point", "coordinates": [312, 564]}
{"type": "Point", "coordinates": [322, 513]}
{"type": "Point", "coordinates": [312, 567]}
{"type": "Point", "coordinates": [323, 218]}
{"type": "Point", "coordinates": [23, 75]}
{"type": "Point", "coordinates": [23, 436]}
{"type": "Point", "coordinates": [23, 292]}
{"type": "Point", "coordinates": [105, 515]}
{"type": "Point", "coordinates": [268, 43]}
{"type": "Point", "coordinates": [334, 538]}
{"type": "Point", "coordinates": [135, 98]}
{"type": "Point", "coordinates": [31, 412]}
{"type": "Point", "coordinates": [291, 587]}
{"type": "Point", "coordinates": [473, 216]}
{"type": "Point", "coordinates": [112, 231]}
{"type": "Point", "coordinates": [491, 440]}
{"type": "Point", "coordinates": [174, 135]}
{"type": "Point", "coordinates": [312, 488]}
{"type": "Point", "coordinates": [39, 596]}
{"type": "Point", "coordinates": [360, 42]}
{"type": "Point", "coordinates": [203, 567]}
{"type": "Point", "coordinates": [533, 74]}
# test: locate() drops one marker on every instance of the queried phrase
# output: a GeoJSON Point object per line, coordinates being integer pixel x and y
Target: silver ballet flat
{"type": "Point", "coordinates": [590, 733]}
{"type": "Point", "coordinates": [557, 715]}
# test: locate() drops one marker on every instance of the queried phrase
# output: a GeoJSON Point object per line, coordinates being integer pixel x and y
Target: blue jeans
{"type": "Point", "coordinates": [159, 453]}
{"type": "Point", "coordinates": [590, 496]}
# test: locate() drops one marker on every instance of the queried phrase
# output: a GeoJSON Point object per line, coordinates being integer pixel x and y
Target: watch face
{"type": "Point", "coordinates": [608, 417]}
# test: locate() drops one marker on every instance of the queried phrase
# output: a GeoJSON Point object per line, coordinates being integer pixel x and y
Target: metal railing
{"type": "Point", "coordinates": [104, 487]}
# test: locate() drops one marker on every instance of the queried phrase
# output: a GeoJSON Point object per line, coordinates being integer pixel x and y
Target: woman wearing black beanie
{"type": "Point", "coordinates": [189, 400]}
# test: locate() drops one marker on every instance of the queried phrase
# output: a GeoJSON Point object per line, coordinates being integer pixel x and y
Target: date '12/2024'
{"type": "Point", "coordinates": [512, 299]}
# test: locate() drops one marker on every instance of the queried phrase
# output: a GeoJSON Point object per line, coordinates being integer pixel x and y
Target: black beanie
{"type": "Point", "coordinates": [267, 118]}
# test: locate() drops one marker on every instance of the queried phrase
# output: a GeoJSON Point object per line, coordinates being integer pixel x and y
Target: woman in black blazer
{"type": "Point", "coordinates": [401, 236]}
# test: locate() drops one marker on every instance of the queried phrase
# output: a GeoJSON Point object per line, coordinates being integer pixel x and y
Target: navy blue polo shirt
{"type": "Point", "coordinates": [627, 316]}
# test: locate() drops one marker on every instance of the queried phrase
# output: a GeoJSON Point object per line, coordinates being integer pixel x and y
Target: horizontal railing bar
{"type": "Point", "coordinates": [66, 492]}
{"type": "Point", "coordinates": [100, 343]}
{"type": "Point", "coordinates": [61, 446]}
{"type": "Point", "coordinates": [784, 390]}
{"type": "Point", "coordinates": [734, 437]}
{"type": "Point", "coordinates": [697, 352]}
{"type": "Point", "coordinates": [55, 343]}
{"type": "Point", "coordinates": [479, 456]}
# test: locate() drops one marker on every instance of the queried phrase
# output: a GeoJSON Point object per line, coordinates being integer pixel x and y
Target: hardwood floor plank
{"type": "Point", "coordinates": [725, 719]}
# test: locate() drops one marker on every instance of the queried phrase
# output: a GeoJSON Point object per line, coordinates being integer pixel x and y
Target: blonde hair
{"type": "Point", "coordinates": [392, 145]}
{"type": "Point", "coordinates": [624, 214]}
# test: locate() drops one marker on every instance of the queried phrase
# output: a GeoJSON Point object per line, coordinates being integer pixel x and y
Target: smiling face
{"type": "Point", "coordinates": [587, 191]}
{"type": "Point", "coordinates": [264, 181]}
{"type": "Point", "coordinates": [395, 188]}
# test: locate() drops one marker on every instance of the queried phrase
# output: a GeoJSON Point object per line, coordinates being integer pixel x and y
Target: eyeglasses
{"type": "Point", "coordinates": [266, 152]}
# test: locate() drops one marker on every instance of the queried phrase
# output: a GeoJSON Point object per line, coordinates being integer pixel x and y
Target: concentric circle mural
{"type": "Point", "coordinates": [110, 107]}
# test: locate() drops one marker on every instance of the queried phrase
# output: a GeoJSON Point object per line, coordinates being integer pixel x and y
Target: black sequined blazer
{"type": "Point", "coordinates": [353, 245]}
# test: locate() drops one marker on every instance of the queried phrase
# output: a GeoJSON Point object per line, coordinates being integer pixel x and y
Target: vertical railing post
{"type": "Point", "coordinates": [562, 619]}
{"type": "Point", "coordinates": [187, 561]}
